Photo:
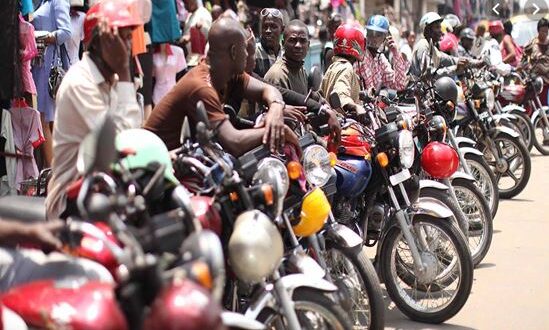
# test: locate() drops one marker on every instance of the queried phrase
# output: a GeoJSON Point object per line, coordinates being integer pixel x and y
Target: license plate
{"type": "Point", "coordinates": [483, 115]}
{"type": "Point", "coordinates": [400, 177]}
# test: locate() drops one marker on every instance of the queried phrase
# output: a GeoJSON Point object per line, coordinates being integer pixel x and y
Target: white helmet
{"type": "Point", "coordinates": [428, 19]}
{"type": "Point", "coordinates": [452, 22]}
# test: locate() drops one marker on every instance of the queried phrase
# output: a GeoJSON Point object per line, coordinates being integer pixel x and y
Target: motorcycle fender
{"type": "Point", "coordinates": [290, 283]}
{"type": "Point", "coordinates": [461, 140]}
{"type": "Point", "coordinates": [431, 206]}
{"type": "Point", "coordinates": [468, 150]}
{"type": "Point", "coordinates": [306, 265]}
{"type": "Point", "coordinates": [462, 175]}
{"type": "Point", "coordinates": [424, 183]}
{"type": "Point", "coordinates": [493, 132]}
{"type": "Point", "coordinates": [236, 320]}
{"type": "Point", "coordinates": [537, 113]}
{"type": "Point", "coordinates": [506, 116]}
{"type": "Point", "coordinates": [512, 107]}
{"type": "Point", "coordinates": [343, 236]}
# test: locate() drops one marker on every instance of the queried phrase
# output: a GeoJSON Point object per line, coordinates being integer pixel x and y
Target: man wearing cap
{"type": "Point", "coordinates": [99, 84]}
{"type": "Point", "coordinates": [466, 39]}
{"type": "Point", "coordinates": [374, 69]}
{"type": "Point", "coordinates": [432, 31]}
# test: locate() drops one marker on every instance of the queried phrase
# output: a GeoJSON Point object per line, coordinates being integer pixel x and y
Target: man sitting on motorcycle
{"type": "Point", "coordinates": [374, 69]}
{"type": "Point", "coordinates": [220, 77]}
{"type": "Point", "coordinates": [537, 54]}
{"type": "Point", "coordinates": [341, 77]}
{"type": "Point", "coordinates": [432, 31]}
{"type": "Point", "coordinates": [288, 72]}
{"type": "Point", "coordinates": [99, 84]}
{"type": "Point", "coordinates": [466, 39]}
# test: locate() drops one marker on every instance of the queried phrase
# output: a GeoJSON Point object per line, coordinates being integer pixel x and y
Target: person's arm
{"type": "Point", "coordinates": [510, 48]}
{"type": "Point", "coordinates": [294, 98]}
{"type": "Point", "coordinates": [13, 233]}
{"type": "Point", "coordinates": [63, 20]}
{"type": "Point", "coordinates": [328, 57]}
{"type": "Point", "coordinates": [238, 142]}
{"type": "Point", "coordinates": [342, 87]}
{"type": "Point", "coordinates": [394, 78]}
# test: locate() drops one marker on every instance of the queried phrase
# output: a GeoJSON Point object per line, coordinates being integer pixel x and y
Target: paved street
{"type": "Point", "coordinates": [511, 287]}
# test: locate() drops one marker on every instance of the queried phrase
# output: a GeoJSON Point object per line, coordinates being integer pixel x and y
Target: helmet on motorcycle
{"type": "Point", "coordinates": [255, 247]}
{"type": "Point", "coordinates": [452, 22]}
{"type": "Point", "coordinates": [467, 33]}
{"type": "Point", "coordinates": [448, 44]}
{"type": "Point", "coordinates": [315, 209]}
{"type": "Point", "coordinates": [439, 160]}
{"type": "Point", "coordinates": [446, 89]}
{"type": "Point", "coordinates": [184, 306]}
{"type": "Point", "coordinates": [144, 148]}
{"type": "Point", "coordinates": [349, 40]}
{"type": "Point", "coordinates": [117, 13]}
{"type": "Point", "coordinates": [428, 19]}
{"type": "Point", "coordinates": [495, 27]}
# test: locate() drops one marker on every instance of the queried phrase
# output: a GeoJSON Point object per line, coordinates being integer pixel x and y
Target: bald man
{"type": "Point", "coordinates": [213, 81]}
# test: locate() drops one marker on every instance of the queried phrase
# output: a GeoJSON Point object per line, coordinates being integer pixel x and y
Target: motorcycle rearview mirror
{"type": "Point", "coordinates": [185, 131]}
{"type": "Point", "coordinates": [98, 151]}
{"type": "Point", "coordinates": [201, 114]}
{"type": "Point", "coordinates": [315, 78]}
{"type": "Point", "coordinates": [335, 102]}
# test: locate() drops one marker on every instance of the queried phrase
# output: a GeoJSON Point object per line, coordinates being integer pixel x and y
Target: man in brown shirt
{"type": "Point", "coordinates": [220, 75]}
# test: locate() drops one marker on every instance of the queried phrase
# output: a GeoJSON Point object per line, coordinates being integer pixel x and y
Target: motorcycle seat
{"type": "Point", "coordinates": [23, 208]}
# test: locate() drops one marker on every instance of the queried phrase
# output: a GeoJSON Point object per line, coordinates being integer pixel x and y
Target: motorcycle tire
{"type": "Point", "coordinates": [309, 299]}
{"type": "Point", "coordinates": [539, 126]}
{"type": "Point", "coordinates": [480, 168]}
{"type": "Point", "coordinates": [444, 197]}
{"type": "Point", "coordinates": [359, 260]}
{"type": "Point", "coordinates": [482, 227]}
{"type": "Point", "coordinates": [525, 128]}
{"type": "Point", "coordinates": [463, 264]}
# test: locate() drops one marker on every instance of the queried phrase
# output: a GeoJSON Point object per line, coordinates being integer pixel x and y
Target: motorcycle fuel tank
{"type": "Point", "coordinates": [353, 175]}
{"type": "Point", "coordinates": [67, 304]}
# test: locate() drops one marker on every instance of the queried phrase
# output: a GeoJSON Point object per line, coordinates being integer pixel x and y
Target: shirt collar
{"type": "Point", "coordinates": [96, 75]}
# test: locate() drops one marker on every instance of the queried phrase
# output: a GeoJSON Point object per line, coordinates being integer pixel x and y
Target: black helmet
{"type": "Point", "coordinates": [446, 89]}
{"type": "Point", "coordinates": [467, 33]}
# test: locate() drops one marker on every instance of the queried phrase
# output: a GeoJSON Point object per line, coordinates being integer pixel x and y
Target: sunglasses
{"type": "Point", "coordinates": [271, 12]}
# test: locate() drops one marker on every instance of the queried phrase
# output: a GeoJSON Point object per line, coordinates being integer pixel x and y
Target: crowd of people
{"type": "Point", "coordinates": [148, 68]}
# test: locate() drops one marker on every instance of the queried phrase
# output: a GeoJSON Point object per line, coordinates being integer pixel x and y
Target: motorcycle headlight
{"type": "Point", "coordinates": [273, 172]}
{"type": "Point", "coordinates": [316, 164]}
{"type": "Point", "coordinates": [538, 84]}
{"type": "Point", "coordinates": [406, 148]}
{"type": "Point", "coordinates": [490, 98]}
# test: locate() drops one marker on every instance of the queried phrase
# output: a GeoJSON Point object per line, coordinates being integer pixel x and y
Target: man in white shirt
{"type": "Point", "coordinates": [198, 18]}
{"type": "Point", "coordinates": [99, 84]}
{"type": "Point", "coordinates": [77, 34]}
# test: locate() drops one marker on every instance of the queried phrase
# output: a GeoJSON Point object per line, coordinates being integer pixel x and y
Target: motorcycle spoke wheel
{"type": "Point", "coordinates": [539, 128]}
{"type": "Point", "coordinates": [442, 290]}
{"type": "Point", "coordinates": [485, 181]}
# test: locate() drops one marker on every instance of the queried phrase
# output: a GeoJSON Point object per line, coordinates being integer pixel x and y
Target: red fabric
{"type": "Point", "coordinates": [198, 41]}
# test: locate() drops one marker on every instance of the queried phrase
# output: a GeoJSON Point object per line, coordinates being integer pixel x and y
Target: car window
{"type": "Point", "coordinates": [525, 31]}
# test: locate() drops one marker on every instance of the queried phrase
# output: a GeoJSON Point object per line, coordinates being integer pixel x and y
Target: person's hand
{"type": "Point", "coordinates": [333, 124]}
{"type": "Point", "coordinates": [295, 112]}
{"type": "Point", "coordinates": [115, 51]}
{"type": "Point", "coordinates": [392, 44]}
{"type": "Point", "coordinates": [50, 39]}
{"type": "Point", "coordinates": [462, 64]}
{"type": "Point", "coordinates": [274, 127]}
{"type": "Point", "coordinates": [292, 138]}
{"type": "Point", "coordinates": [184, 39]}
{"type": "Point", "coordinates": [43, 235]}
{"type": "Point", "coordinates": [198, 25]}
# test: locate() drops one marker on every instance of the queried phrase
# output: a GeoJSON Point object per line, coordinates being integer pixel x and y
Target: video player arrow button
{"type": "Point", "coordinates": [537, 9]}
{"type": "Point", "coordinates": [494, 9]}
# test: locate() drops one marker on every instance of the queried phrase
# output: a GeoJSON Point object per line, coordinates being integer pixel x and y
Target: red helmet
{"type": "Point", "coordinates": [439, 160]}
{"type": "Point", "coordinates": [448, 43]}
{"type": "Point", "coordinates": [495, 27]}
{"type": "Point", "coordinates": [117, 13]}
{"type": "Point", "coordinates": [349, 40]}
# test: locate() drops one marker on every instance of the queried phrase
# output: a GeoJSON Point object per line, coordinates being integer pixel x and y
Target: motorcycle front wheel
{"type": "Point", "coordinates": [525, 127]}
{"type": "Point", "coordinates": [352, 271]}
{"type": "Point", "coordinates": [512, 165]}
{"type": "Point", "coordinates": [314, 310]}
{"type": "Point", "coordinates": [539, 127]}
{"type": "Point", "coordinates": [476, 209]}
{"type": "Point", "coordinates": [485, 180]}
{"type": "Point", "coordinates": [449, 269]}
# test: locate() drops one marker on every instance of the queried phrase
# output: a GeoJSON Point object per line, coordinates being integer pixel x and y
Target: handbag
{"type": "Point", "coordinates": [57, 71]}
